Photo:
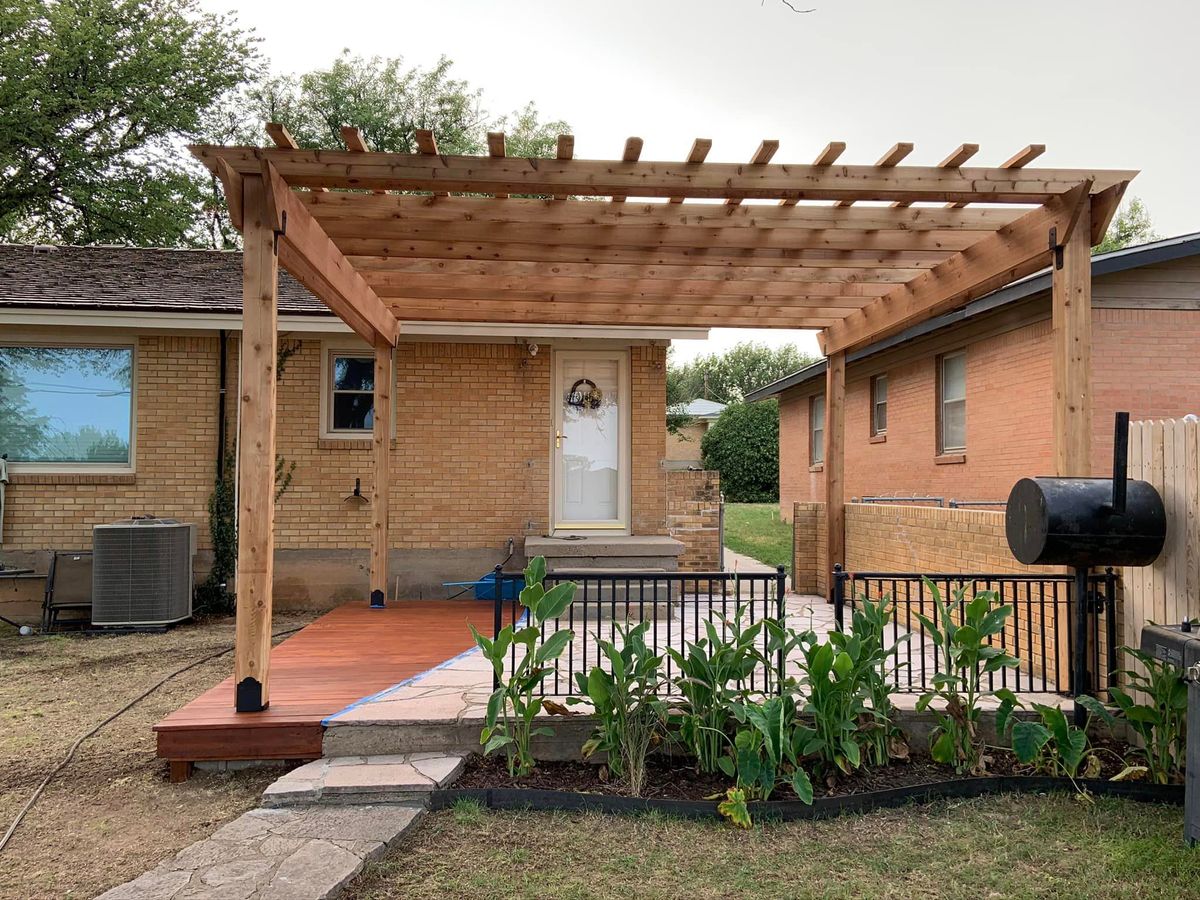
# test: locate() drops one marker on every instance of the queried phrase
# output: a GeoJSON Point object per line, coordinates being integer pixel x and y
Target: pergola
{"type": "Point", "coordinates": [857, 251]}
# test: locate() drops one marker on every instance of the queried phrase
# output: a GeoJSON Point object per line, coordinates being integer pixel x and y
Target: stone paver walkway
{"type": "Point", "coordinates": [359, 779]}
{"type": "Point", "coordinates": [299, 853]}
{"type": "Point", "coordinates": [319, 826]}
{"type": "Point", "coordinates": [740, 562]}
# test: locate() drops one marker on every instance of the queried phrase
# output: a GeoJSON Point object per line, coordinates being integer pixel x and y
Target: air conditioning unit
{"type": "Point", "coordinates": [142, 572]}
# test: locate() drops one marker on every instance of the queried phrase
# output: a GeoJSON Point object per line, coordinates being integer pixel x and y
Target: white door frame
{"type": "Point", "coordinates": [621, 525]}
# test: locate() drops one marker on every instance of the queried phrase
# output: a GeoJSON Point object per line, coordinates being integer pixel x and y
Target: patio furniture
{"type": "Point", "coordinates": [68, 587]}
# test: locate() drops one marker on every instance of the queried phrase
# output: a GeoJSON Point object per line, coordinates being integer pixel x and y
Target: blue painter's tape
{"type": "Point", "coordinates": [379, 695]}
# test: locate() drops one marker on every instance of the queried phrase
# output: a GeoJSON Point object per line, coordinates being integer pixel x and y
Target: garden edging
{"type": "Point", "coordinates": [821, 808]}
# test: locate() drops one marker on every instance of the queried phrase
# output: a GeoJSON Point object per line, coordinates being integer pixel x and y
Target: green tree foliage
{"type": "Point", "coordinates": [95, 97]}
{"type": "Point", "coordinates": [1129, 227]}
{"type": "Point", "coordinates": [728, 377]}
{"type": "Point", "coordinates": [743, 445]}
{"type": "Point", "coordinates": [378, 95]}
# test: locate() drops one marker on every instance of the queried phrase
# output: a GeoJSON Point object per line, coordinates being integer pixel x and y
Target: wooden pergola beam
{"type": "Point", "coordinates": [496, 148]}
{"type": "Point", "coordinates": [367, 210]}
{"type": "Point", "coordinates": [1018, 160]}
{"type": "Point", "coordinates": [889, 160]}
{"type": "Point", "coordinates": [406, 283]}
{"type": "Point", "coordinates": [381, 453]}
{"type": "Point", "coordinates": [355, 142]}
{"type": "Point", "coordinates": [548, 273]}
{"type": "Point", "coordinates": [315, 261]}
{"type": "Point", "coordinates": [834, 464]}
{"type": "Point", "coordinates": [763, 155]}
{"type": "Point", "coordinates": [867, 259]}
{"type": "Point", "coordinates": [826, 157]}
{"type": "Point", "coordinates": [963, 153]}
{"type": "Point", "coordinates": [697, 155]}
{"type": "Point", "coordinates": [427, 145]}
{"type": "Point", "coordinates": [474, 174]}
{"type": "Point", "coordinates": [631, 153]}
{"type": "Point", "coordinates": [564, 149]}
{"type": "Point", "coordinates": [1016, 250]}
{"type": "Point", "coordinates": [607, 314]}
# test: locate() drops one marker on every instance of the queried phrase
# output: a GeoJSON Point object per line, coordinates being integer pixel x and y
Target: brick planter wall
{"type": "Point", "coordinates": [693, 514]}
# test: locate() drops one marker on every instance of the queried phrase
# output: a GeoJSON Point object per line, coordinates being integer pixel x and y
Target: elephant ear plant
{"type": "Point", "coordinates": [630, 716]}
{"type": "Point", "coordinates": [966, 657]}
{"type": "Point", "coordinates": [513, 706]}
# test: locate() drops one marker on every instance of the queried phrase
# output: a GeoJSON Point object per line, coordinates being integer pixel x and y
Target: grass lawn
{"type": "Point", "coordinates": [995, 847]}
{"type": "Point", "coordinates": [756, 530]}
{"type": "Point", "coordinates": [111, 814]}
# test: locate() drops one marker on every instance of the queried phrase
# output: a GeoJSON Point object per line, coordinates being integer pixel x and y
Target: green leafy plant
{"type": "Point", "coordinates": [967, 656]}
{"type": "Point", "coordinates": [882, 740]}
{"type": "Point", "coordinates": [711, 673]}
{"type": "Point", "coordinates": [735, 808]}
{"type": "Point", "coordinates": [630, 716]}
{"type": "Point", "coordinates": [1050, 743]}
{"type": "Point", "coordinates": [1162, 721]}
{"type": "Point", "coordinates": [766, 749]}
{"type": "Point", "coordinates": [513, 706]}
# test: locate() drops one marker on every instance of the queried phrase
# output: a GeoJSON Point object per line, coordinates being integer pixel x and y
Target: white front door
{"type": "Point", "coordinates": [591, 441]}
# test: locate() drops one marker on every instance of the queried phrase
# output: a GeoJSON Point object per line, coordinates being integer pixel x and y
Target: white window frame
{"type": "Point", "coordinates": [348, 347]}
{"type": "Point", "coordinates": [104, 468]}
{"type": "Point", "coordinates": [876, 431]}
{"type": "Point", "coordinates": [816, 447]}
{"type": "Point", "coordinates": [944, 448]}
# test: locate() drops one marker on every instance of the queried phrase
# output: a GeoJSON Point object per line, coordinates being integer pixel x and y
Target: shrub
{"type": "Point", "coordinates": [743, 445]}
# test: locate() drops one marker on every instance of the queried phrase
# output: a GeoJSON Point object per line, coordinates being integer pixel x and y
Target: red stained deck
{"type": "Point", "coordinates": [347, 654]}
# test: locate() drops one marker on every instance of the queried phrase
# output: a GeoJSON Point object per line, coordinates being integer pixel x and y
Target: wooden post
{"type": "Point", "coordinates": [1072, 338]}
{"type": "Point", "coordinates": [381, 442]}
{"type": "Point", "coordinates": [256, 453]}
{"type": "Point", "coordinates": [835, 443]}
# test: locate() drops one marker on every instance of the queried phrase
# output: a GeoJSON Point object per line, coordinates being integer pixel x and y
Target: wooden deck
{"type": "Point", "coordinates": [347, 654]}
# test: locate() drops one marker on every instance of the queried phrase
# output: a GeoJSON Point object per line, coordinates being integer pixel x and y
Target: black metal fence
{"type": "Point", "coordinates": [676, 604]}
{"type": "Point", "coordinates": [1039, 632]}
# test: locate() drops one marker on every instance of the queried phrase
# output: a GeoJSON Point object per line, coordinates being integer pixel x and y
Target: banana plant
{"type": "Point", "coordinates": [513, 706]}
{"type": "Point", "coordinates": [630, 716]}
{"type": "Point", "coordinates": [967, 656]}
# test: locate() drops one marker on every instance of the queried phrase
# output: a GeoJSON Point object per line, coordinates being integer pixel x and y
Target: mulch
{"type": "Point", "coordinates": [669, 778]}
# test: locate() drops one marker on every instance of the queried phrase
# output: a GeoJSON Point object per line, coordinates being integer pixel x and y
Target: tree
{"type": "Point", "coordinates": [95, 98]}
{"type": "Point", "coordinates": [728, 377]}
{"type": "Point", "coordinates": [743, 445]}
{"type": "Point", "coordinates": [1130, 226]}
{"type": "Point", "coordinates": [385, 100]}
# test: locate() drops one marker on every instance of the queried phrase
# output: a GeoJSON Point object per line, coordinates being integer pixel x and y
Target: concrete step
{"type": "Point", "coordinates": [376, 778]}
{"type": "Point", "coordinates": [390, 737]}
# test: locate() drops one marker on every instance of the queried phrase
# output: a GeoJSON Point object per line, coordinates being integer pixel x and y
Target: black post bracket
{"type": "Point", "coordinates": [1056, 247]}
{"type": "Point", "coordinates": [248, 697]}
{"type": "Point", "coordinates": [279, 232]}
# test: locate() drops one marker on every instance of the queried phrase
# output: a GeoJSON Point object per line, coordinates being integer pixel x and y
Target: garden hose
{"type": "Point", "coordinates": [66, 760]}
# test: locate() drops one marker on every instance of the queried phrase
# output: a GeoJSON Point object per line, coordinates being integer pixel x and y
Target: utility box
{"type": "Point", "coordinates": [142, 572]}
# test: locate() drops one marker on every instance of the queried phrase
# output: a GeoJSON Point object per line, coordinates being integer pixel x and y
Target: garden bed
{"type": "Point", "coordinates": [676, 788]}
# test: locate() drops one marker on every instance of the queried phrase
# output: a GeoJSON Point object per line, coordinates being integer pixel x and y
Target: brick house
{"type": "Point", "coordinates": [961, 406]}
{"type": "Point", "coordinates": [116, 365]}
{"type": "Point", "coordinates": [683, 445]}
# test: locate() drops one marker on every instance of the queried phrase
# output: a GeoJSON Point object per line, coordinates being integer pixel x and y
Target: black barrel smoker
{"type": "Point", "coordinates": [1086, 522]}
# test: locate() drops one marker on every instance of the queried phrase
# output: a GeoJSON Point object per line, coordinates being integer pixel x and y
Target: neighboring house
{"type": "Point", "coordinates": [960, 407]}
{"type": "Point", "coordinates": [115, 364]}
{"type": "Point", "coordinates": [683, 445]}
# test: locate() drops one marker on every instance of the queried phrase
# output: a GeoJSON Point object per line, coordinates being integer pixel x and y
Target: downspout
{"type": "Point", "coordinates": [224, 360]}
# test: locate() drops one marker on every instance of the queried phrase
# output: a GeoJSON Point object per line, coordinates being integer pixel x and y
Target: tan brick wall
{"type": "Point", "coordinates": [175, 457]}
{"type": "Point", "coordinates": [694, 516]}
{"type": "Point", "coordinates": [471, 457]}
{"type": "Point", "coordinates": [649, 425]}
{"type": "Point", "coordinates": [808, 548]}
{"type": "Point", "coordinates": [685, 445]}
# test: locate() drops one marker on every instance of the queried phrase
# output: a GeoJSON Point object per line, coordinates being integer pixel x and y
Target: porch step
{"type": "Point", "coordinates": [395, 778]}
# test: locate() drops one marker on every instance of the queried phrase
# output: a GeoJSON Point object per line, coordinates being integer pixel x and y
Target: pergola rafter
{"type": "Point", "coordinates": [857, 251]}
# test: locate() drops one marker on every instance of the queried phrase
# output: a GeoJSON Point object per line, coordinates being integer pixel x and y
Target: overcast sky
{"type": "Point", "coordinates": [1102, 84]}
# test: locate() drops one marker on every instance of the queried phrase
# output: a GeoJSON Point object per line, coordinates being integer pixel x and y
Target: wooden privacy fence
{"type": "Point", "coordinates": [1167, 454]}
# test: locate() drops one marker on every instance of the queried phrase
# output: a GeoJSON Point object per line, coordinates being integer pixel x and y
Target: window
{"type": "Point", "coordinates": [352, 393]}
{"type": "Point", "coordinates": [66, 405]}
{"type": "Point", "coordinates": [952, 403]}
{"type": "Point", "coordinates": [816, 430]}
{"type": "Point", "coordinates": [879, 385]}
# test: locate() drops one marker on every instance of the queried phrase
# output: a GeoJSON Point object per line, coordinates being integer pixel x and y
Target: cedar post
{"type": "Point", "coordinates": [835, 443]}
{"type": "Point", "coordinates": [1072, 327]}
{"type": "Point", "coordinates": [256, 452]}
{"type": "Point", "coordinates": [381, 440]}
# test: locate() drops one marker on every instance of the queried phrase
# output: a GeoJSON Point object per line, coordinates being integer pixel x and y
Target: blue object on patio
{"type": "Point", "coordinates": [485, 587]}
